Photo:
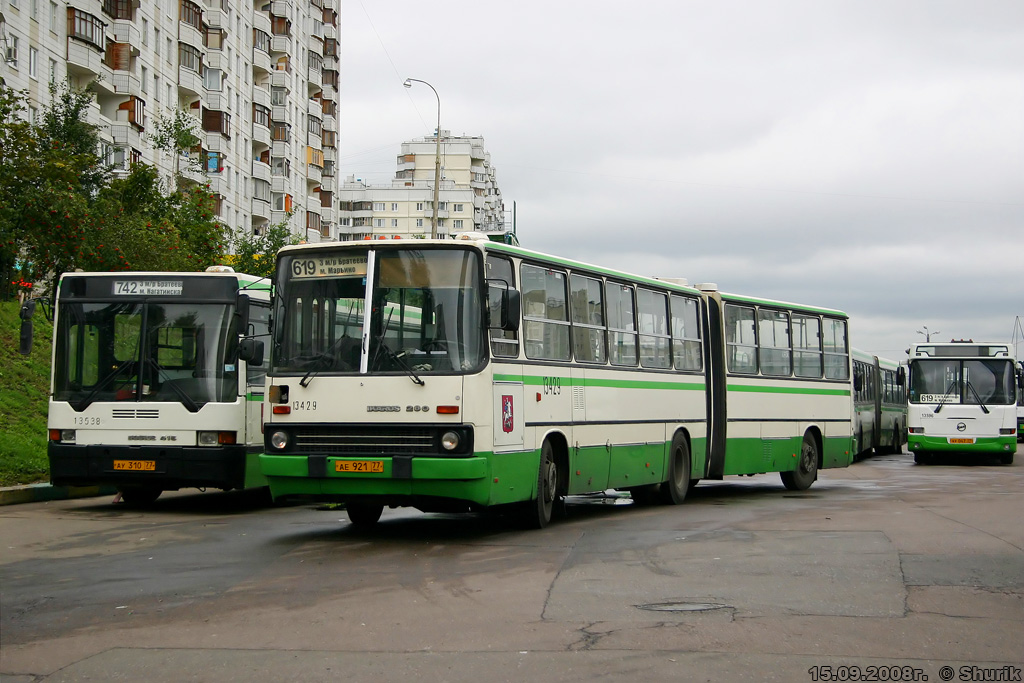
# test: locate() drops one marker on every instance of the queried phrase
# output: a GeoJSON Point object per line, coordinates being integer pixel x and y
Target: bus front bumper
{"type": "Point", "coordinates": [917, 443]}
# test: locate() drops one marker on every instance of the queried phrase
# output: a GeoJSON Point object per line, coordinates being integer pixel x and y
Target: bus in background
{"type": "Point", "coordinates": [879, 404]}
{"type": "Point", "coordinates": [1020, 401]}
{"type": "Point", "coordinates": [158, 381]}
{"type": "Point", "coordinates": [486, 375]}
{"type": "Point", "coordinates": [962, 397]}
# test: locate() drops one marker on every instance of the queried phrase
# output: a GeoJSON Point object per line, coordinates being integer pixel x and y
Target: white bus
{"type": "Point", "coordinates": [490, 375]}
{"type": "Point", "coordinates": [879, 404]}
{"type": "Point", "coordinates": [961, 398]}
{"type": "Point", "coordinates": [151, 389]}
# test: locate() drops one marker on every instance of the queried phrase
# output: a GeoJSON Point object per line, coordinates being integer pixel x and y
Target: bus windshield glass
{"type": "Point", "coordinates": [427, 313]}
{"type": "Point", "coordinates": [968, 382]}
{"type": "Point", "coordinates": [145, 351]}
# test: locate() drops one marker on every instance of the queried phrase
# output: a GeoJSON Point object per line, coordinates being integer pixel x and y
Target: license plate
{"type": "Point", "coordinates": [135, 465]}
{"type": "Point", "coordinates": [961, 440]}
{"type": "Point", "coordinates": [358, 465]}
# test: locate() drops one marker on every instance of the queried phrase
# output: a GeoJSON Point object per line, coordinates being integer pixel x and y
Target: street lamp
{"type": "Point", "coordinates": [927, 334]}
{"type": "Point", "coordinates": [437, 154]}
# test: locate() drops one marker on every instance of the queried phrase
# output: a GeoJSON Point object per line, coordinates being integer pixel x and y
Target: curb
{"type": "Point", "coordinates": [35, 493]}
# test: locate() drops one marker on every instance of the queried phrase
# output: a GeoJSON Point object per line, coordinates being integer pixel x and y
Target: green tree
{"type": "Point", "coordinates": [256, 254]}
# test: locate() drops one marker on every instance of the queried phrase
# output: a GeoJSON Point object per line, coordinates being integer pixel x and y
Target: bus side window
{"type": "Point", "coordinates": [836, 350]}
{"type": "Point", "coordinates": [740, 339]}
{"type": "Point", "coordinates": [504, 343]}
{"type": "Point", "coordinates": [588, 333]}
{"type": "Point", "coordinates": [807, 346]}
{"type": "Point", "coordinates": [686, 351]}
{"type": "Point", "coordinates": [259, 321]}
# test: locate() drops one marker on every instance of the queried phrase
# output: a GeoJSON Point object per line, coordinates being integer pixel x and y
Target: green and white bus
{"type": "Point", "coordinates": [879, 405]}
{"type": "Point", "coordinates": [962, 398]}
{"type": "Point", "coordinates": [158, 381]}
{"type": "Point", "coordinates": [490, 375]}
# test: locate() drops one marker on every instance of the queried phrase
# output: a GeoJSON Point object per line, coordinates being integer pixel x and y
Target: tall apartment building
{"type": "Point", "coordinates": [260, 77]}
{"type": "Point", "coordinates": [468, 196]}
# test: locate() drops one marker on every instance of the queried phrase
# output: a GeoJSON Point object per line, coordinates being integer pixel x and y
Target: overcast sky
{"type": "Point", "coordinates": [866, 156]}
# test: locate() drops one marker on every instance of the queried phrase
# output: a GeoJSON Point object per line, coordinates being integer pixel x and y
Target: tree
{"type": "Point", "coordinates": [256, 254]}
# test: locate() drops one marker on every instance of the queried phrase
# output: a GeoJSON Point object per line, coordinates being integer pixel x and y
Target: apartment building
{"type": "Point", "coordinates": [468, 197]}
{"type": "Point", "coordinates": [260, 78]}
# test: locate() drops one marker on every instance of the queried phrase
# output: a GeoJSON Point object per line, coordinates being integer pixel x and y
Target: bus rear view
{"type": "Point", "coordinates": [962, 398]}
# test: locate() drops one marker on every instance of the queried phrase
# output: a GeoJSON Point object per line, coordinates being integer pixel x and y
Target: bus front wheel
{"type": "Point", "coordinates": [806, 470]}
{"type": "Point", "coordinates": [140, 496]}
{"type": "Point", "coordinates": [363, 514]}
{"type": "Point", "coordinates": [537, 512]}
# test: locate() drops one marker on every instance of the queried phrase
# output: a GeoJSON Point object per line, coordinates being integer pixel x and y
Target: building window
{"type": "Point", "coordinates": [212, 79]}
{"type": "Point", "coordinates": [419, 222]}
{"type": "Point", "coordinates": [145, 32]}
{"type": "Point", "coordinates": [189, 58]}
{"type": "Point", "coordinates": [260, 115]}
{"type": "Point", "coordinates": [33, 58]}
{"type": "Point", "coordinates": [86, 27]}
{"type": "Point", "coordinates": [278, 96]}
{"type": "Point", "coordinates": [457, 224]}
{"type": "Point", "coordinates": [53, 17]}
{"type": "Point", "coordinates": [143, 78]}
{"type": "Point", "coordinates": [282, 132]}
{"type": "Point", "coordinates": [378, 206]}
{"type": "Point", "coordinates": [261, 40]}
{"type": "Point", "coordinates": [191, 14]}
{"type": "Point", "coordinates": [394, 206]}
{"type": "Point", "coordinates": [314, 125]}
{"type": "Point", "coordinates": [394, 222]}
{"type": "Point", "coordinates": [457, 208]}
{"type": "Point", "coordinates": [419, 206]}
{"type": "Point", "coordinates": [214, 38]}
{"type": "Point", "coordinates": [156, 88]}
{"type": "Point", "coordinates": [378, 222]}
{"type": "Point", "coordinates": [121, 9]}
{"type": "Point", "coordinates": [156, 42]}
{"type": "Point", "coordinates": [53, 70]}
{"type": "Point", "coordinates": [281, 167]}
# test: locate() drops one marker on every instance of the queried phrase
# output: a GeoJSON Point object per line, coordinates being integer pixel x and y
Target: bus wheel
{"type": "Point", "coordinates": [673, 491]}
{"type": "Point", "coordinates": [922, 458]}
{"type": "Point", "coordinates": [139, 496]}
{"type": "Point", "coordinates": [363, 514]}
{"type": "Point", "coordinates": [806, 471]}
{"type": "Point", "coordinates": [1006, 458]}
{"type": "Point", "coordinates": [537, 512]}
{"type": "Point", "coordinates": [897, 447]}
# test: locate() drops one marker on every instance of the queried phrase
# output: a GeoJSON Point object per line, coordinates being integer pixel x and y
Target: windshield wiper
{"type": "Point", "coordinates": [101, 385]}
{"type": "Point", "coordinates": [981, 403]}
{"type": "Point", "coordinates": [952, 385]}
{"type": "Point", "coordinates": [190, 403]}
{"type": "Point", "coordinates": [397, 357]}
{"type": "Point", "coordinates": [319, 360]}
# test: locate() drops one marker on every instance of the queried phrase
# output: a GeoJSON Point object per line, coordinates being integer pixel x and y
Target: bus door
{"type": "Point", "coordinates": [878, 386]}
{"type": "Point", "coordinates": [714, 364]}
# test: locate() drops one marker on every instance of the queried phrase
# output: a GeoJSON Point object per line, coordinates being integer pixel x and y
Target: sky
{"type": "Point", "coordinates": [865, 155]}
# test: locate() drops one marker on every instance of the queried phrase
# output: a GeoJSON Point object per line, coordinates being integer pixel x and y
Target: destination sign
{"type": "Point", "coordinates": [329, 266]}
{"type": "Point", "coordinates": [148, 287]}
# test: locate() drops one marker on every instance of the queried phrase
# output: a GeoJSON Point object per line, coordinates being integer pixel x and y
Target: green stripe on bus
{"type": "Point", "coordinates": [531, 380]}
{"type": "Point", "coordinates": [746, 388]}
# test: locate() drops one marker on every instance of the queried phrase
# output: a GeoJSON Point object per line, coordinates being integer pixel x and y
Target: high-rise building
{"type": "Point", "coordinates": [260, 79]}
{"type": "Point", "coordinates": [468, 196]}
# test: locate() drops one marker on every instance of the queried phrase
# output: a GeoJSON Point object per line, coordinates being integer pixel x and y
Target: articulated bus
{"type": "Point", "coordinates": [155, 386]}
{"type": "Point", "coordinates": [879, 405]}
{"type": "Point", "coordinates": [962, 398]}
{"type": "Point", "coordinates": [487, 375]}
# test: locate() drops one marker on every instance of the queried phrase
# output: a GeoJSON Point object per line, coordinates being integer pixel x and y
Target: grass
{"type": "Point", "coordinates": [24, 390]}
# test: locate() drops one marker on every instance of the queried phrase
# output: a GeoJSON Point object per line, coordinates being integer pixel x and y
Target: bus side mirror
{"type": "Point", "coordinates": [242, 311]}
{"type": "Point", "coordinates": [251, 351]}
{"type": "Point", "coordinates": [27, 309]}
{"type": "Point", "coordinates": [511, 307]}
{"type": "Point", "coordinates": [507, 308]}
{"type": "Point", "coordinates": [901, 376]}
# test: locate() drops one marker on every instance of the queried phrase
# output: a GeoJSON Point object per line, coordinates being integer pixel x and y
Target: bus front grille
{"type": "Point", "coordinates": [376, 441]}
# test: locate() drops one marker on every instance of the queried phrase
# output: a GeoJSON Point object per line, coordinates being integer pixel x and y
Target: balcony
{"type": "Point", "coordinates": [124, 134]}
{"type": "Point", "coordinates": [260, 209]}
{"type": "Point", "coordinates": [126, 83]}
{"type": "Point", "coordinates": [279, 184]}
{"type": "Point", "coordinates": [261, 171]}
{"type": "Point", "coordinates": [261, 61]}
{"type": "Point", "coordinates": [190, 35]}
{"type": "Point", "coordinates": [314, 174]}
{"type": "Point", "coordinates": [261, 135]}
{"type": "Point", "coordinates": [281, 8]}
{"type": "Point", "coordinates": [124, 31]}
{"type": "Point", "coordinates": [280, 79]}
{"type": "Point", "coordinates": [281, 44]}
{"type": "Point", "coordinates": [216, 18]}
{"type": "Point", "coordinates": [84, 59]}
{"type": "Point", "coordinates": [190, 83]}
{"type": "Point", "coordinates": [214, 59]}
{"type": "Point", "coordinates": [214, 141]}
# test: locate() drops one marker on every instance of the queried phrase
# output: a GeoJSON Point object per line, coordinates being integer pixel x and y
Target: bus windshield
{"type": "Point", "coordinates": [969, 382]}
{"type": "Point", "coordinates": [145, 351]}
{"type": "Point", "coordinates": [427, 313]}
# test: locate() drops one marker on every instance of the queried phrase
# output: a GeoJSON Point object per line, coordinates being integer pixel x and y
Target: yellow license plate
{"type": "Point", "coordinates": [135, 465]}
{"type": "Point", "coordinates": [358, 465]}
{"type": "Point", "coordinates": [961, 440]}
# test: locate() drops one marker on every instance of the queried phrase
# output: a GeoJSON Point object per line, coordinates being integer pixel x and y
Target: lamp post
{"type": "Point", "coordinates": [437, 153]}
{"type": "Point", "coordinates": [927, 334]}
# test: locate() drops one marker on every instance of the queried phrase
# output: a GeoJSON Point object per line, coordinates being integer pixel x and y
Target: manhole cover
{"type": "Point", "coordinates": [678, 606]}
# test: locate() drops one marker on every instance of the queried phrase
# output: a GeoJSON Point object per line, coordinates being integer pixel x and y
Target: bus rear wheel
{"type": "Point", "coordinates": [363, 514]}
{"type": "Point", "coordinates": [1006, 458]}
{"type": "Point", "coordinates": [806, 470]}
{"type": "Point", "coordinates": [673, 491]}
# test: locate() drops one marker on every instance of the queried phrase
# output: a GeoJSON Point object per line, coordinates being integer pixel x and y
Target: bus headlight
{"type": "Point", "coordinates": [207, 438]}
{"type": "Point", "coordinates": [279, 440]}
{"type": "Point", "coordinates": [450, 441]}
